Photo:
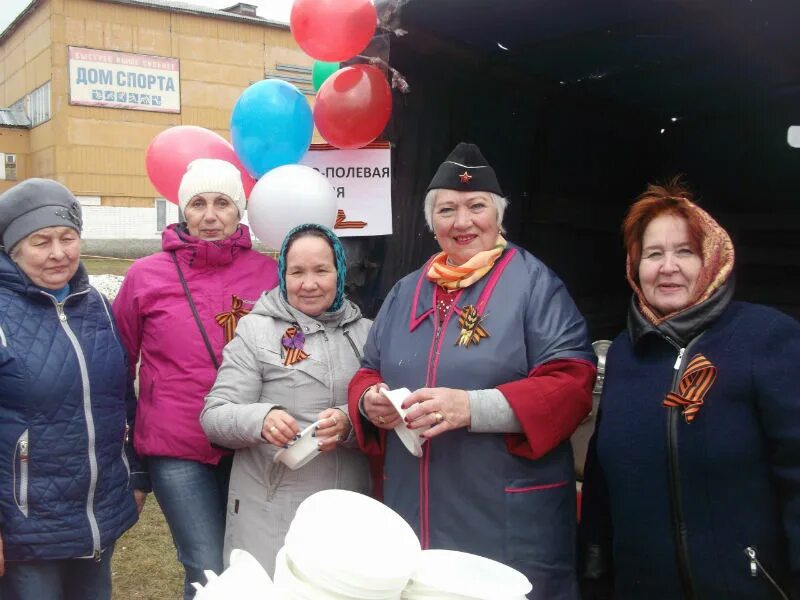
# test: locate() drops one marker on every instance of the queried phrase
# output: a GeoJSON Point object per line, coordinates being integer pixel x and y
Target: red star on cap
{"type": "Point", "coordinates": [465, 177]}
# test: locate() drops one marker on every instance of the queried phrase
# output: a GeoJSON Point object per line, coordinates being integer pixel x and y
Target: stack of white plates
{"type": "Point", "coordinates": [244, 579]}
{"type": "Point", "coordinates": [346, 545]}
{"type": "Point", "coordinates": [451, 575]}
{"type": "Point", "coordinates": [294, 586]}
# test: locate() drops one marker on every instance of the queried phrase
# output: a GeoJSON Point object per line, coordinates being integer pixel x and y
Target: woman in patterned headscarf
{"type": "Point", "coordinates": [288, 367]}
{"type": "Point", "coordinates": [692, 485]}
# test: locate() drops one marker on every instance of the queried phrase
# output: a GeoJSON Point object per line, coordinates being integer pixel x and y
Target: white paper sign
{"type": "Point", "coordinates": [123, 80]}
{"type": "Point", "coordinates": [363, 183]}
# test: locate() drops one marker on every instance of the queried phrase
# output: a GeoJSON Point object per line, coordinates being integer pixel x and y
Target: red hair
{"type": "Point", "coordinates": [669, 198]}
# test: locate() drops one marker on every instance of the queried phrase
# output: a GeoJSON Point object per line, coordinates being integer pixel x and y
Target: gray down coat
{"type": "Point", "coordinates": [253, 380]}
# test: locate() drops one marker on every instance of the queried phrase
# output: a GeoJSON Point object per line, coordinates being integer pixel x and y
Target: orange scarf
{"type": "Point", "coordinates": [452, 277]}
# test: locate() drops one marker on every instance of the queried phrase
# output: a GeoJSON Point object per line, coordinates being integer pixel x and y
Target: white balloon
{"type": "Point", "coordinates": [286, 197]}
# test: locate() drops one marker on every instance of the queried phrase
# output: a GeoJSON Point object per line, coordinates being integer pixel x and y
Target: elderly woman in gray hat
{"type": "Point", "coordinates": [69, 483]}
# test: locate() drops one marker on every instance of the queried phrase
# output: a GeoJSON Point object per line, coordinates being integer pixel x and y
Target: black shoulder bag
{"type": "Point", "coordinates": [194, 311]}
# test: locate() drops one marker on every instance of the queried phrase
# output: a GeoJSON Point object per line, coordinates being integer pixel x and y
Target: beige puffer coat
{"type": "Point", "coordinates": [252, 380]}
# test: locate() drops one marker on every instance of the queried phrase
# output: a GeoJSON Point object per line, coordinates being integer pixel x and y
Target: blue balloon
{"type": "Point", "coordinates": [271, 126]}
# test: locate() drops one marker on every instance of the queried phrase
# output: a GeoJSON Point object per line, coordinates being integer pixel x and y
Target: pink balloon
{"type": "Point", "coordinates": [353, 106]}
{"type": "Point", "coordinates": [171, 151]}
{"type": "Point", "coordinates": [333, 30]}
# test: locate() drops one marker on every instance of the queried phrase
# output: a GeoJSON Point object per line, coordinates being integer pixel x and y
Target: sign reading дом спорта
{"type": "Point", "coordinates": [123, 80]}
{"type": "Point", "coordinates": [363, 183]}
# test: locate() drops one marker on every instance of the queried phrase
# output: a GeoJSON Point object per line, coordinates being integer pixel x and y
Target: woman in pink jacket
{"type": "Point", "coordinates": [176, 310]}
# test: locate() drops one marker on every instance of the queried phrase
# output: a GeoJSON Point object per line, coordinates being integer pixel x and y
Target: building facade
{"type": "Point", "coordinates": [87, 84]}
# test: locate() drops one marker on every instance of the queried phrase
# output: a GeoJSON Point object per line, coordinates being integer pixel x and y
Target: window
{"type": "Point", "coordinates": [161, 214]}
{"type": "Point", "coordinates": [36, 105]}
{"type": "Point", "coordinates": [8, 166]}
{"type": "Point", "coordinates": [39, 107]}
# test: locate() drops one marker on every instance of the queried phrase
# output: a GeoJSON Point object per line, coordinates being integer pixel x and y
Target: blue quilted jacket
{"type": "Point", "coordinates": [66, 408]}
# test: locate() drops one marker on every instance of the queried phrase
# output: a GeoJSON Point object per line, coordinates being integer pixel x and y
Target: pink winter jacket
{"type": "Point", "coordinates": [156, 322]}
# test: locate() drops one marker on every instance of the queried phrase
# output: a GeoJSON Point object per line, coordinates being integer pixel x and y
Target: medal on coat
{"type": "Point", "coordinates": [293, 340]}
{"type": "Point", "coordinates": [472, 332]}
{"type": "Point", "coordinates": [229, 320]}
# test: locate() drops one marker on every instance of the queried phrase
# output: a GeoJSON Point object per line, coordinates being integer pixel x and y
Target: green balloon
{"type": "Point", "coordinates": [321, 71]}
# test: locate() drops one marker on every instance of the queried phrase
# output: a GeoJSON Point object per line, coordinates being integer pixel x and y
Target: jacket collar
{"type": "Point", "coordinates": [685, 325]}
{"type": "Point", "coordinates": [199, 253]}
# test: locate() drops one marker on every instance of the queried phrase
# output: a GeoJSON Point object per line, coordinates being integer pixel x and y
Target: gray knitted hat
{"type": "Point", "coordinates": [35, 204]}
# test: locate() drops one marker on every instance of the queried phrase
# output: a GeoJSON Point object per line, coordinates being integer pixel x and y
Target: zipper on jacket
{"type": "Point", "coordinates": [125, 441]}
{"type": "Point", "coordinates": [424, 522]}
{"type": "Point", "coordinates": [89, 417]}
{"type": "Point", "coordinates": [676, 498]}
{"type": "Point", "coordinates": [352, 344]}
{"type": "Point", "coordinates": [756, 566]}
{"type": "Point", "coordinates": [438, 326]}
{"type": "Point", "coordinates": [330, 362]}
{"type": "Point", "coordinates": [331, 387]}
{"type": "Point", "coordinates": [23, 454]}
{"type": "Point", "coordinates": [678, 362]}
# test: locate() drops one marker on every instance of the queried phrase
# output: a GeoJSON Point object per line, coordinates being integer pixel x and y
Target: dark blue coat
{"type": "Point", "coordinates": [680, 503]}
{"type": "Point", "coordinates": [65, 397]}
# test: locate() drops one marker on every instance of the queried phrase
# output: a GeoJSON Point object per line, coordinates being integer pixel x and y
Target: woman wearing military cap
{"type": "Point", "coordinates": [501, 369]}
{"type": "Point", "coordinates": [69, 480]}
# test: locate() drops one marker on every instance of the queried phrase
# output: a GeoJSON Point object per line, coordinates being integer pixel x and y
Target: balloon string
{"type": "Point", "coordinates": [398, 80]}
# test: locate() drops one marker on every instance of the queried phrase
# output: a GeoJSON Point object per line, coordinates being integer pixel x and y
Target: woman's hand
{"type": "Point", "coordinates": [440, 409]}
{"type": "Point", "coordinates": [334, 428]}
{"type": "Point", "coordinates": [279, 428]}
{"type": "Point", "coordinates": [139, 497]}
{"type": "Point", "coordinates": [380, 411]}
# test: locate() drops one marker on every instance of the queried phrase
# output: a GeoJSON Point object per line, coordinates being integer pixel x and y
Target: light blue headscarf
{"type": "Point", "coordinates": [338, 255]}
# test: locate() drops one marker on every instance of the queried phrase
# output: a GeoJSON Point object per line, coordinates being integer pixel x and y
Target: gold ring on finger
{"type": "Point", "coordinates": [273, 429]}
{"type": "Point", "coordinates": [381, 420]}
{"type": "Point", "coordinates": [438, 416]}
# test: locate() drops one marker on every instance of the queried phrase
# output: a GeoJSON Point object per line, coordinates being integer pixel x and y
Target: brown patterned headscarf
{"type": "Point", "coordinates": [717, 252]}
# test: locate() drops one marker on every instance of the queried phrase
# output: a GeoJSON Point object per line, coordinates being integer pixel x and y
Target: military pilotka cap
{"type": "Point", "coordinates": [35, 204]}
{"type": "Point", "coordinates": [465, 170]}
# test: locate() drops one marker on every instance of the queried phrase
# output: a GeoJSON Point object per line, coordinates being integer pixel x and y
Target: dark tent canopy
{"type": "Point", "coordinates": [577, 104]}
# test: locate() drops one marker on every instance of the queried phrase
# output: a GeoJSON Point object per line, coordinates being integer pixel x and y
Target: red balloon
{"type": "Point", "coordinates": [171, 151]}
{"type": "Point", "coordinates": [333, 30]}
{"type": "Point", "coordinates": [353, 106]}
